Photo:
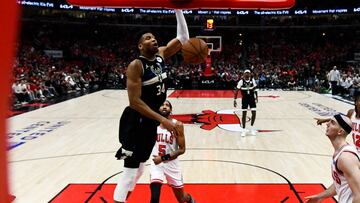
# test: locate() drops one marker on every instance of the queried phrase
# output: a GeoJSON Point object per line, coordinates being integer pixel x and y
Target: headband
{"type": "Point", "coordinates": [342, 123]}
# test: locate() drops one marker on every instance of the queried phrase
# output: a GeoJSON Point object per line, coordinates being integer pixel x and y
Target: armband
{"type": "Point", "coordinates": [166, 157]}
{"type": "Point", "coordinates": [182, 29]}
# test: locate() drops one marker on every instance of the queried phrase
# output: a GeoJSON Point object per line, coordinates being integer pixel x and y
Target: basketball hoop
{"type": "Point", "coordinates": [214, 44]}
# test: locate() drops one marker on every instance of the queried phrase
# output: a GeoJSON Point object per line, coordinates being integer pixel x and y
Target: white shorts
{"type": "Point", "coordinates": [170, 170]}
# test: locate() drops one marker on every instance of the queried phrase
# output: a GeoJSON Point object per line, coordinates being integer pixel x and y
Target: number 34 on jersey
{"type": "Point", "coordinates": [160, 89]}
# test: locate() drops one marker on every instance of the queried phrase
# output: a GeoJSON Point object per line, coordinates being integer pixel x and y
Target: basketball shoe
{"type": "Point", "coordinates": [253, 131]}
{"type": "Point", "coordinates": [243, 132]}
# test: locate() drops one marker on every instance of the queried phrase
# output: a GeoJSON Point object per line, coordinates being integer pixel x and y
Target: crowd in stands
{"type": "Point", "coordinates": [57, 59]}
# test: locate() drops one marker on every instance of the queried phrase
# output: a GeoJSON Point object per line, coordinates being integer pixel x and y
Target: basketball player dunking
{"type": "Point", "coordinates": [354, 115]}
{"type": "Point", "coordinates": [247, 86]}
{"type": "Point", "coordinates": [146, 89]}
{"type": "Point", "coordinates": [165, 163]}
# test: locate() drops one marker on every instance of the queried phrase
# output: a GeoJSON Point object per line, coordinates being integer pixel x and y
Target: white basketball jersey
{"type": "Point", "coordinates": [355, 130]}
{"type": "Point", "coordinates": [165, 142]}
{"type": "Point", "coordinates": [341, 185]}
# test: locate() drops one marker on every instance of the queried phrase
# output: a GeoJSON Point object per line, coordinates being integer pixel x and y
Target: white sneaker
{"type": "Point", "coordinates": [253, 131]}
{"type": "Point", "coordinates": [243, 133]}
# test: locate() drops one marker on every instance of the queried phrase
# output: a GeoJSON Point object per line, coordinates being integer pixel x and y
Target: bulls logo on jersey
{"type": "Point", "coordinates": [165, 138]}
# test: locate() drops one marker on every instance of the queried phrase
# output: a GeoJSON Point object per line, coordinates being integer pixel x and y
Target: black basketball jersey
{"type": "Point", "coordinates": [154, 87]}
{"type": "Point", "coordinates": [247, 87]}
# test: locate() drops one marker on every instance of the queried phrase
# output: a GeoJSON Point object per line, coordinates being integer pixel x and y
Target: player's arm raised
{"type": "Point", "coordinates": [320, 121]}
{"type": "Point", "coordinates": [181, 38]}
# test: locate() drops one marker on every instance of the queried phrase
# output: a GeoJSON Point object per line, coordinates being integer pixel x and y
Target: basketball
{"type": "Point", "coordinates": [194, 51]}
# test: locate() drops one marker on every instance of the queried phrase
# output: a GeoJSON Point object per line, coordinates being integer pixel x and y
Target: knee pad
{"type": "Point", "coordinates": [126, 180]}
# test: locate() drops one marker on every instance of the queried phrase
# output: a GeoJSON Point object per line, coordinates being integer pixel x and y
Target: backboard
{"type": "Point", "coordinates": [214, 43]}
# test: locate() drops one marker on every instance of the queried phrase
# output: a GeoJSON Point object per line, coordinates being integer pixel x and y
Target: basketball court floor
{"type": "Point", "coordinates": [65, 152]}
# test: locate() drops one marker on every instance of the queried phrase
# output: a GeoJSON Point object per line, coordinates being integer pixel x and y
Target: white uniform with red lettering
{"type": "Point", "coordinates": [165, 144]}
{"type": "Point", "coordinates": [355, 130]}
{"type": "Point", "coordinates": [341, 185]}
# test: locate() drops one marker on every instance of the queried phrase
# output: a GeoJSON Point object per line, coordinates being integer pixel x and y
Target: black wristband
{"type": "Point", "coordinates": [165, 157]}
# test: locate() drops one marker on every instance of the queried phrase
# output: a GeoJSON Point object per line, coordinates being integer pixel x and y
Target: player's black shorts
{"type": "Point", "coordinates": [248, 101]}
{"type": "Point", "coordinates": [137, 134]}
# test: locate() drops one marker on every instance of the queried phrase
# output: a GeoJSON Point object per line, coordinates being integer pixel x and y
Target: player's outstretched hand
{"type": "Point", "coordinates": [313, 199]}
{"type": "Point", "coordinates": [156, 159]}
{"type": "Point", "coordinates": [171, 127]}
{"type": "Point", "coordinates": [320, 121]}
